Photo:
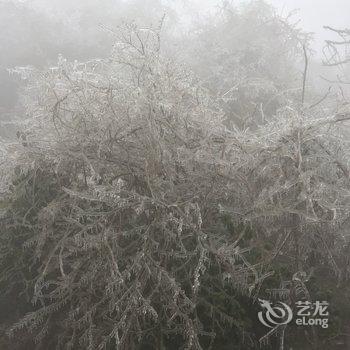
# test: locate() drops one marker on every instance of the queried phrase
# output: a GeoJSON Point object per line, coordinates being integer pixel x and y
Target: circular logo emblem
{"type": "Point", "coordinates": [273, 316]}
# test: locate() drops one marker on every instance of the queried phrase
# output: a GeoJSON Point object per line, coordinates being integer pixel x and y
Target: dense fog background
{"type": "Point", "coordinates": [313, 15]}
{"type": "Point", "coordinates": [34, 32]}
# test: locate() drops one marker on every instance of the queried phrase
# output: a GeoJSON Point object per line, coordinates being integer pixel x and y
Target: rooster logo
{"type": "Point", "coordinates": [276, 315]}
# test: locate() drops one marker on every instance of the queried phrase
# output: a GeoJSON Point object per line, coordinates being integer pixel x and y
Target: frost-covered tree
{"type": "Point", "coordinates": [133, 150]}
{"type": "Point", "coordinates": [134, 217]}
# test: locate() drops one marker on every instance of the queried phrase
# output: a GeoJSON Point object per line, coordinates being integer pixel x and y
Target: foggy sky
{"type": "Point", "coordinates": [313, 14]}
